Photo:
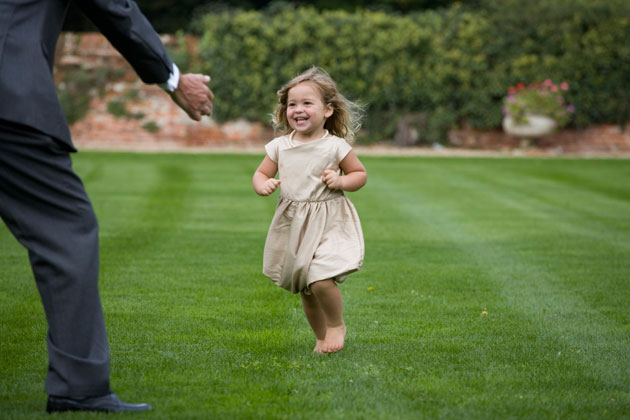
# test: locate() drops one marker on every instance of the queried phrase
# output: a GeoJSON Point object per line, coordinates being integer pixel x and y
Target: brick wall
{"type": "Point", "coordinates": [162, 124]}
{"type": "Point", "coordinates": [601, 139]}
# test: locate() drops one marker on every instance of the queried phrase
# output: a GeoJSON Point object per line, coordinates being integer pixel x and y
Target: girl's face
{"type": "Point", "coordinates": [307, 112]}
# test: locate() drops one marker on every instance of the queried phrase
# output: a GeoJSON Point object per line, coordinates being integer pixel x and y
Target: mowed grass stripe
{"type": "Point", "coordinates": [604, 177]}
{"type": "Point", "coordinates": [531, 288]}
{"type": "Point", "coordinates": [590, 211]}
{"type": "Point", "coordinates": [463, 361]}
{"type": "Point", "coordinates": [579, 250]}
{"type": "Point", "coordinates": [595, 252]}
{"type": "Point", "coordinates": [431, 297]}
{"type": "Point", "coordinates": [196, 314]}
{"type": "Point", "coordinates": [197, 331]}
{"type": "Point", "coordinates": [454, 351]}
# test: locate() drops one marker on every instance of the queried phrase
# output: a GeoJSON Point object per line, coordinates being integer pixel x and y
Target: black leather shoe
{"type": "Point", "coordinates": [109, 403]}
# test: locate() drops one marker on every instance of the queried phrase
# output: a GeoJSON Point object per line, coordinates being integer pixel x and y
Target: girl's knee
{"type": "Point", "coordinates": [322, 285]}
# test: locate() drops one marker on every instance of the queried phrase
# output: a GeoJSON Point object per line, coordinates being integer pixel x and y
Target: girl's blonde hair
{"type": "Point", "coordinates": [345, 121]}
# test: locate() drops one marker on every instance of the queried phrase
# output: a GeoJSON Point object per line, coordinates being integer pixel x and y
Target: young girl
{"type": "Point", "coordinates": [315, 238]}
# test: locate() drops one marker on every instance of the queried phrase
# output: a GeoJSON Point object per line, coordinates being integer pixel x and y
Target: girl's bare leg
{"type": "Point", "coordinates": [316, 319]}
{"type": "Point", "coordinates": [329, 298]}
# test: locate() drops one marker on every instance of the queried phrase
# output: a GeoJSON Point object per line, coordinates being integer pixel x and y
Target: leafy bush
{"type": "Point", "coordinates": [118, 106]}
{"type": "Point", "coordinates": [180, 53]}
{"type": "Point", "coordinates": [392, 64]}
{"type": "Point", "coordinates": [454, 64]}
{"type": "Point", "coordinates": [151, 126]}
{"type": "Point", "coordinates": [584, 42]}
{"type": "Point", "coordinates": [77, 87]}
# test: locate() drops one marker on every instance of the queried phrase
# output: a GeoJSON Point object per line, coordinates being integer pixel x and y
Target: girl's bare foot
{"type": "Point", "coordinates": [319, 344]}
{"type": "Point", "coordinates": [335, 339]}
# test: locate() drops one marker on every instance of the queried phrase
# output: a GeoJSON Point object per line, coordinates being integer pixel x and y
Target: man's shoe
{"type": "Point", "coordinates": [109, 403]}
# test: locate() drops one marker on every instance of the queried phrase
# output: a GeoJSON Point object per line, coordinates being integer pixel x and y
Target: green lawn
{"type": "Point", "coordinates": [542, 245]}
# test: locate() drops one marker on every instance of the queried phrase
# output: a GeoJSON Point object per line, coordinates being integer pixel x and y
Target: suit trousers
{"type": "Point", "coordinates": [45, 206]}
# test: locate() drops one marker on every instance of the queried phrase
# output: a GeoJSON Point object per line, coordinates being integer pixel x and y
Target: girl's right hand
{"type": "Point", "coordinates": [269, 186]}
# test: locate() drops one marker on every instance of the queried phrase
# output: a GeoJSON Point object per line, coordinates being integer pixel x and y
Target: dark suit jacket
{"type": "Point", "coordinates": [29, 30]}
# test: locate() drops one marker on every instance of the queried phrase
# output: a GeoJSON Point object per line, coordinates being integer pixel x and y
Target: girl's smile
{"type": "Point", "coordinates": [306, 112]}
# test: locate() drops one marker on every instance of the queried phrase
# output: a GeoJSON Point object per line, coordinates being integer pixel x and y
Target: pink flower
{"type": "Point", "coordinates": [545, 98]}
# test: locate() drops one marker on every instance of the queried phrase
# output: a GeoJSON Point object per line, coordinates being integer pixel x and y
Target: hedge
{"type": "Point", "coordinates": [454, 65]}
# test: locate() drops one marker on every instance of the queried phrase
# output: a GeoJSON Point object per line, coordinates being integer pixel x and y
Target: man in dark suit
{"type": "Point", "coordinates": [42, 200]}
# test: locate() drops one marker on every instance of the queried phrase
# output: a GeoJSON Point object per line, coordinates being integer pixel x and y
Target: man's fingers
{"type": "Point", "coordinates": [195, 115]}
{"type": "Point", "coordinates": [194, 96]}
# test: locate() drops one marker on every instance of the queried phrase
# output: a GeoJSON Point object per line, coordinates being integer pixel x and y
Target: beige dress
{"type": "Point", "coordinates": [315, 233]}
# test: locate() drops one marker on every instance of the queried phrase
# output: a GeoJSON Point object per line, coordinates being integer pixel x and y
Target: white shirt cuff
{"type": "Point", "coordinates": [173, 80]}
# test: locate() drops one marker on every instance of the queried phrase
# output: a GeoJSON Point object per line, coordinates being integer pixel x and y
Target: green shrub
{"type": "Point", "coordinates": [73, 93]}
{"type": "Point", "coordinates": [118, 106]}
{"type": "Point", "coordinates": [151, 126]}
{"type": "Point", "coordinates": [180, 53]}
{"type": "Point", "coordinates": [392, 64]}
{"type": "Point", "coordinates": [584, 42]}
{"type": "Point", "coordinates": [455, 64]}
{"type": "Point", "coordinates": [77, 87]}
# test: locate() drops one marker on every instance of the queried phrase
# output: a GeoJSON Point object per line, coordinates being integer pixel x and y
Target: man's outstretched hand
{"type": "Point", "coordinates": [193, 95]}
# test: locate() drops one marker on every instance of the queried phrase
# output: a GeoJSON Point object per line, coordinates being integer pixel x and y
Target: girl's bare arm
{"type": "Point", "coordinates": [355, 175]}
{"type": "Point", "coordinates": [263, 180]}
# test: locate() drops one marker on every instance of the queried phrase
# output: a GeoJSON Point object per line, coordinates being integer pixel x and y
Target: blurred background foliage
{"type": "Point", "coordinates": [169, 16]}
{"type": "Point", "coordinates": [449, 62]}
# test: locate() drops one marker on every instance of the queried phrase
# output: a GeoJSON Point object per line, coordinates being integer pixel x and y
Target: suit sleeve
{"type": "Point", "coordinates": [129, 31]}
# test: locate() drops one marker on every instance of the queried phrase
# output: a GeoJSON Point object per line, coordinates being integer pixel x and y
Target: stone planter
{"type": "Point", "coordinates": [537, 126]}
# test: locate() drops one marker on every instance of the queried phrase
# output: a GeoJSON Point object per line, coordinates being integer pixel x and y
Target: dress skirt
{"type": "Point", "coordinates": [313, 240]}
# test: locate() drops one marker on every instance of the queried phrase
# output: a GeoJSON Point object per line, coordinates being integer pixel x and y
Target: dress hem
{"type": "Point", "coordinates": [337, 278]}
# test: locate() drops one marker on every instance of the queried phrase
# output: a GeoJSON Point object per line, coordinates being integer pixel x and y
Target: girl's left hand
{"type": "Point", "coordinates": [332, 179]}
